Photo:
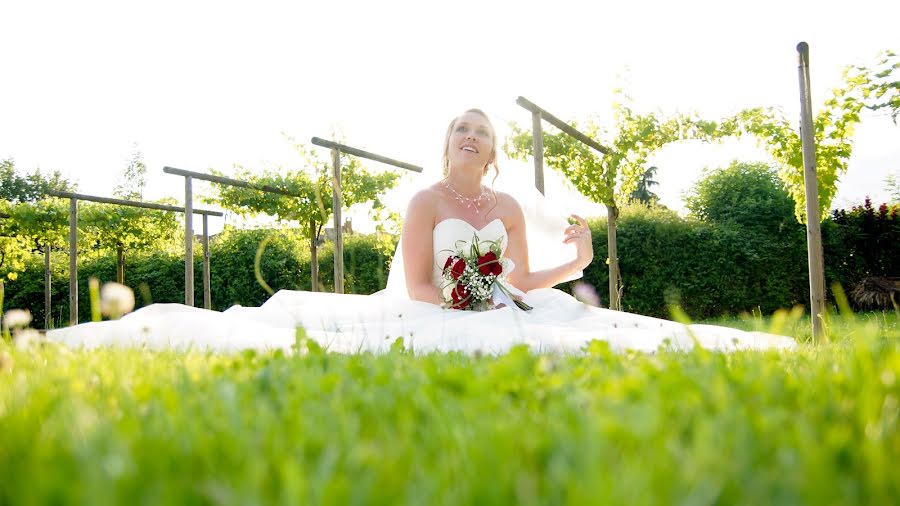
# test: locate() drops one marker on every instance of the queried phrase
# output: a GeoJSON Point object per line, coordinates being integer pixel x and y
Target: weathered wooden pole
{"type": "Point", "coordinates": [188, 242]}
{"type": "Point", "coordinates": [314, 257]}
{"type": "Point", "coordinates": [537, 134]}
{"type": "Point", "coordinates": [207, 294]}
{"type": "Point", "coordinates": [73, 261]}
{"type": "Point", "coordinates": [120, 265]}
{"type": "Point", "coordinates": [813, 219]}
{"type": "Point", "coordinates": [47, 314]}
{"type": "Point", "coordinates": [127, 203]}
{"type": "Point", "coordinates": [336, 212]}
{"type": "Point", "coordinates": [612, 218]}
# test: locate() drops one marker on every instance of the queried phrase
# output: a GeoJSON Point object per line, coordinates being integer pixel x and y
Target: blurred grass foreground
{"type": "Point", "coordinates": [817, 425]}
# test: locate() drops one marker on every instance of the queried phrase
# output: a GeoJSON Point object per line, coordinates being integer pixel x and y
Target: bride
{"type": "Point", "coordinates": [416, 305]}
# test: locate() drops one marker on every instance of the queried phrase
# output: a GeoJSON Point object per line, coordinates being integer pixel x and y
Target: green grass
{"type": "Point", "coordinates": [797, 324]}
{"type": "Point", "coordinates": [814, 426]}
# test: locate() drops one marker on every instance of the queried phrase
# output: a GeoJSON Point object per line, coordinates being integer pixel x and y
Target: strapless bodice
{"type": "Point", "coordinates": [454, 234]}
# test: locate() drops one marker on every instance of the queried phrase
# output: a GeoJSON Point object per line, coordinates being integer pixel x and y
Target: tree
{"type": "Point", "coordinates": [605, 180]}
{"type": "Point", "coordinates": [833, 124]}
{"type": "Point", "coordinates": [893, 187]}
{"type": "Point", "coordinates": [44, 223]}
{"type": "Point", "coordinates": [21, 226]}
{"type": "Point", "coordinates": [31, 187]}
{"type": "Point", "coordinates": [131, 187]}
{"type": "Point", "coordinates": [126, 229]}
{"type": "Point", "coordinates": [314, 182]}
{"type": "Point", "coordinates": [41, 226]}
{"type": "Point", "coordinates": [749, 195]}
{"type": "Point", "coordinates": [865, 241]}
{"type": "Point", "coordinates": [13, 246]}
{"type": "Point", "coordinates": [877, 86]}
{"type": "Point", "coordinates": [642, 193]}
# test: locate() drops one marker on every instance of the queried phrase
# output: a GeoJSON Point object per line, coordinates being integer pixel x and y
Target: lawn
{"type": "Point", "coordinates": [813, 426]}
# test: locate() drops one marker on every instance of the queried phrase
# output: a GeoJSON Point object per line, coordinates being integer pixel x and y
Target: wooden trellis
{"type": "Point", "coordinates": [537, 116]}
{"type": "Point", "coordinates": [73, 239]}
{"type": "Point", "coordinates": [336, 150]}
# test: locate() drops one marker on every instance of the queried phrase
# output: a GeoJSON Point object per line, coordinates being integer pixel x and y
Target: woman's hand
{"type": "Point", "coordinates": [580, 235]}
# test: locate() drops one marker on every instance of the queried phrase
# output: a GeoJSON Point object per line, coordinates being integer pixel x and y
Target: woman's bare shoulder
{"type": "Point", "coordinates": [509, 210]}
{"type": "Point", "coordinates": [424, 203]}
{"type": "Point", "coordinates": [424, 199]}
{"type": "Point", "coordinates": [508, 204]}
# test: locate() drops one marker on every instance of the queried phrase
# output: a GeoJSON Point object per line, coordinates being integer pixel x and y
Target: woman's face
{"type": "Point", "coordinates": [471, 142]}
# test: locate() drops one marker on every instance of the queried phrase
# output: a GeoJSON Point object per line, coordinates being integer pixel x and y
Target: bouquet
{"type": "Point", "coordinates": [475, 277]}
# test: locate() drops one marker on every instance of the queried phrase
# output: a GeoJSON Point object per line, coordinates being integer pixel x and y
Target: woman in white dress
{"type": "Point", "coordinates": [439, 220]}
{"type": "Point", "coordinates": [470, 152]}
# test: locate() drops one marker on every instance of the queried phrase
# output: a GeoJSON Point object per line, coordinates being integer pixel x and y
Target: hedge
{"type": "Point", "coordinates": [159, 277]}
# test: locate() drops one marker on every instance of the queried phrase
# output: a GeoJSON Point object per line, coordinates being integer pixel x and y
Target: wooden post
{"type": "Point", "coordinates": [188, 243]}
{"type": "Point", "coordinates": [314, 257]}
{"type": "Point", "coordinates": [537, 134]}
{"type": "Point", "coordinates": [47, 314]}
{"type": "Point", "coordinates": [73, 262]}
{"type": "Point", "coordinates": [813, 218]}
{"type": "Point", "coordinates": [120, 265]}
{"type": "Point", "coordinates": [612, 217]}
{"type": "Point", "coordinates": [336, 211]}
{"type": "Point", "coordinates": [207, 294]}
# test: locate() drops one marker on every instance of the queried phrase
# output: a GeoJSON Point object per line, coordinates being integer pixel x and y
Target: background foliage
{"type": "Point", "coordinates": [17, 188]}
{"type": "Point", "coordinates": [159, 276]}
{"type": "Point", "coordinates": [872, 87]}
{"type": "Point", "coordinates": [713, 268]}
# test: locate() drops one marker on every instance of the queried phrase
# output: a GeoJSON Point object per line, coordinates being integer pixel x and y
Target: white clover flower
{"type": "Point", "coordinates": [586, 293]}
{"type": "Point", "coordinates": [16, 318]}
{"type": "Point", "coordinates": [116, 300]}
{"type": "Point", "coordinates": [26, 338]}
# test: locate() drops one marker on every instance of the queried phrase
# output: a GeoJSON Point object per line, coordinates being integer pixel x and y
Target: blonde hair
{"type": "Point", "coordinates": [492, 161]}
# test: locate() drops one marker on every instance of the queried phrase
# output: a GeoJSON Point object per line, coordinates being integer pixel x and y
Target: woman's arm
{"type": "Point", "coordinates": [522, 277]}
{"type": "Point", "coordinates": [418, 255]}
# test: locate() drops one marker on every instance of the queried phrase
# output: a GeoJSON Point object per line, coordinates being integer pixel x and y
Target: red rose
{"type": "Point", "coordinates": [449, 262]}
{"type": "Point", "coordinates": [459, 267]}
{"type": "Point", "coordinates": [488, 264]}
{"type": "Point", "coordinates": [460, 296]}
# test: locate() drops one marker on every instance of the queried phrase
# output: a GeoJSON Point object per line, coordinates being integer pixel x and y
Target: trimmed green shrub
{"type": "Point", "coordinates": [709, 269]}
{"type": "Point", "coordinates": [862, 242]}
{"type": "Point", "coordinates": [159, 277]}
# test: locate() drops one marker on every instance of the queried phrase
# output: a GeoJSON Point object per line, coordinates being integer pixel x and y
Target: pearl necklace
{"type": "Point", "coordinates": [468, 202]}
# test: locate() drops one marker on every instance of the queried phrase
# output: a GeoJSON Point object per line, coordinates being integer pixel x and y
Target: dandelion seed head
{"type": "Point", "coordinates": [116, 300]}
{"type": "Point", "coordinates": [17, 318]}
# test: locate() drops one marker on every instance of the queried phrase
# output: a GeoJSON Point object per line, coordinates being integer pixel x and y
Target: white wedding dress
{"type": "Point", "coordinates": [355, 323]}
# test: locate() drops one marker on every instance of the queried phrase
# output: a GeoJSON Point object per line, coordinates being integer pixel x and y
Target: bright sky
{"type": "Point", "coordinates": [212, 84]}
